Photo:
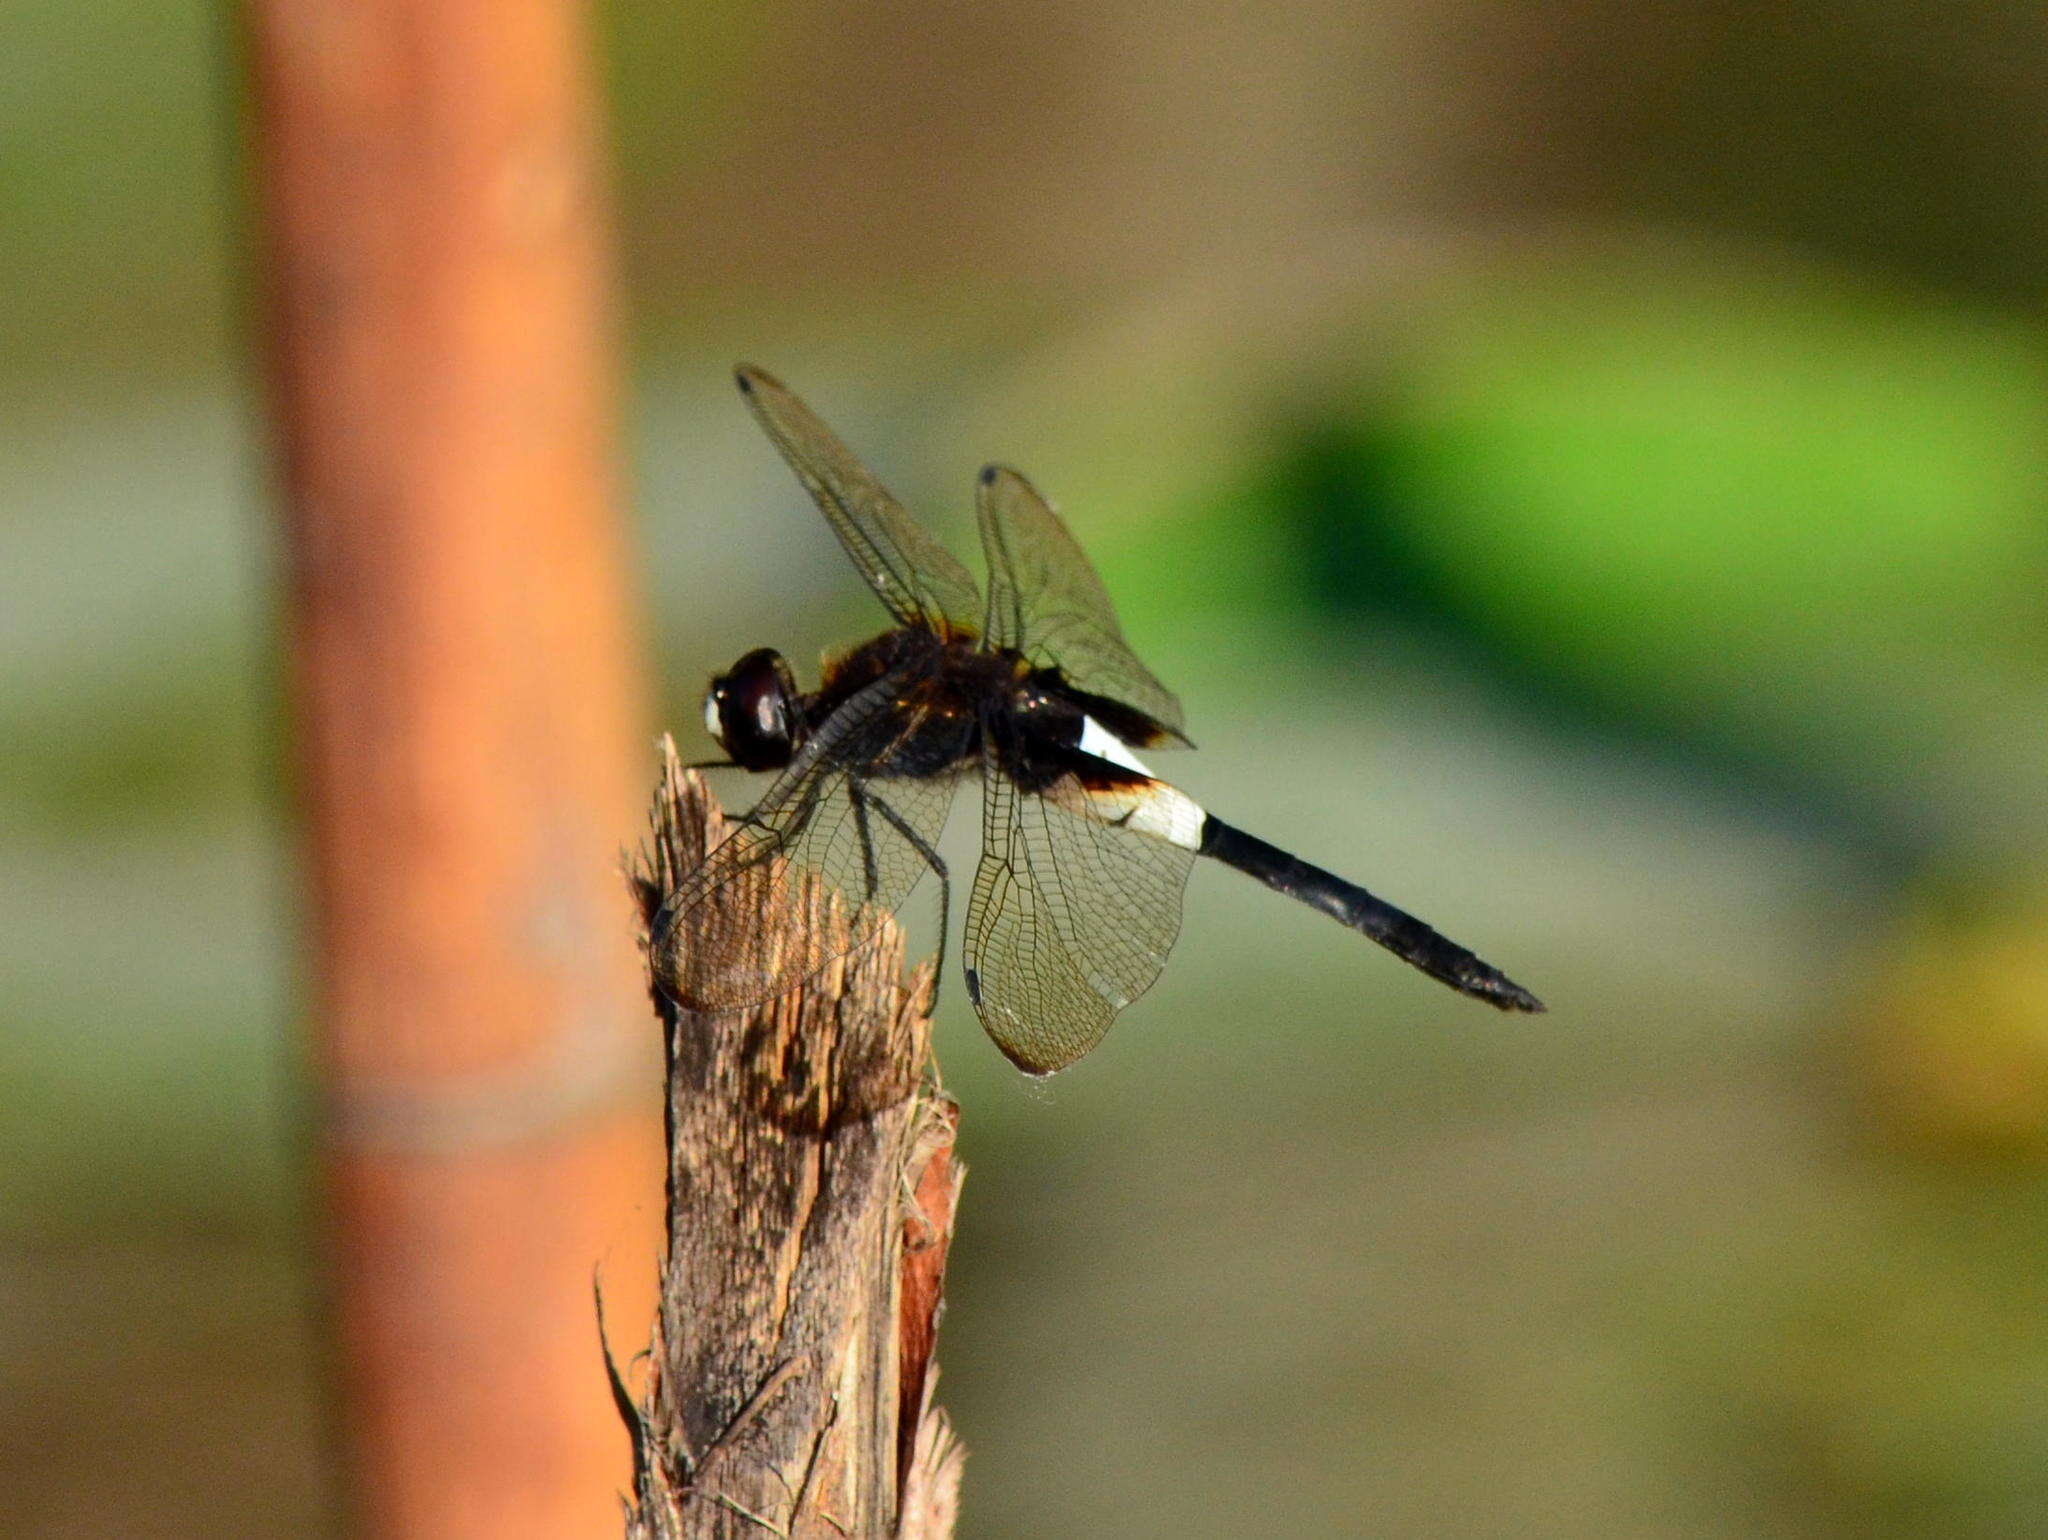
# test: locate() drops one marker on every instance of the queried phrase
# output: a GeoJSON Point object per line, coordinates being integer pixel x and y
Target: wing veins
{"type": "Point", "coordinates": [915, 576]}
{"type": "Point", "coordinates": [1069, 920]}
{"type": "Point", "coordinates": [1046, 600]}
{"type": "Point", "coordinates": [802, 822]}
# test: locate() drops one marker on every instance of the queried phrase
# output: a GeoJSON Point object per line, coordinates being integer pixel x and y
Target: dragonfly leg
{"type": "Point", "coordinates": [858, 793]}
{"type": "Point", "coordinates": [924, 848]}
{"type": "Point", "coordinates": [750, 819]}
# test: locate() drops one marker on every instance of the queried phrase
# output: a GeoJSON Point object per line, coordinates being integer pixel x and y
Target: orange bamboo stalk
{"type": "Point", "coordinates": [467, 703]}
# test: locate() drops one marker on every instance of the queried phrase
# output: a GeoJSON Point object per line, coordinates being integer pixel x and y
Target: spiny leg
{"type": "Point", "coordinates": [857, 793]}
{"type": "Point", "coordinates": [924, 848]}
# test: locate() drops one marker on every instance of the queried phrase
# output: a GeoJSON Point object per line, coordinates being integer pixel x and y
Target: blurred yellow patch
{"type": "Point", "coordinates": [1958, 1034]}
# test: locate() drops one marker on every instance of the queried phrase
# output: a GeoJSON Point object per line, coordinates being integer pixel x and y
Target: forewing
{"type": "Point", "coordinates": [920, 581]}
{"type": "Point", "coordinates": [1070, 920]}
{"type": "Point", "coordinates": [822, 820]}
{"type": "Point", "coordinates": [1046, 601]}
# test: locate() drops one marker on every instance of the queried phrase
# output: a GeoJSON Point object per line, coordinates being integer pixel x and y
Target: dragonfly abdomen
{"type": "Point", "coordinates": [1408, 938]}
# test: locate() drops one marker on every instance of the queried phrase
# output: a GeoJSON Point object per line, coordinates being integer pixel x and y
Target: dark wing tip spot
{"type": "Point", "coordinates": [747, 376]}
{"type": "Point", "coordinates": [973, 987]}
{"type": "Point", "coordinates": [989, 474]}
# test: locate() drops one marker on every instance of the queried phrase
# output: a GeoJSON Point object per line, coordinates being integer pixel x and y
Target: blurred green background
{"type": "Point", "coordinates": [1582, 468]}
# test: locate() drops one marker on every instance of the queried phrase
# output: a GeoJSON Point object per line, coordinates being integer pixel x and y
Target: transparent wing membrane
{"type": "Point", "coordinates": [1046, 601]}
{"type": "Point", "coordinates": [1071, 918]}
{"type": "Point", "coordinates": [916, 577]}
{"type": "Point", "coordinates": [868, 839]}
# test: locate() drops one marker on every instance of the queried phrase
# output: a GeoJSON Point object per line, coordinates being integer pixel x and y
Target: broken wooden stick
{"type": "Point", "coordinates": [811, 1192]}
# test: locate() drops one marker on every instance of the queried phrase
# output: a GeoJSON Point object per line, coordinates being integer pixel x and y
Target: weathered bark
{"type": "Point", "coordinates": [811, 1190]}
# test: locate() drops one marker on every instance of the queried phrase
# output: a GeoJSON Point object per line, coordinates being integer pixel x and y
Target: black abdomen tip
{"type": "Point", "coordinates": [1502, 992]}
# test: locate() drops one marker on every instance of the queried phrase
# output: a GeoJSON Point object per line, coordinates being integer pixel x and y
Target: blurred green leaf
{"type": "Point", "coordinates": [1736, 491]}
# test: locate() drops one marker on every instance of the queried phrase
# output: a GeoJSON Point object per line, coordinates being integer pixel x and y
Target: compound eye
{"type": "Point", "coordinates": [757, 711]}
{"type": "Point", "coordinates": [767, 705]}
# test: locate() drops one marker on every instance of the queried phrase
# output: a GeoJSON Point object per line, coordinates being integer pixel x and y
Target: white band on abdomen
{"type": "Point", "coordinates": [1157, 809]}
{"type": "Point", "coordinates": [1168, 813]}
{"type": "Point", "coordinates": [1104, 744]}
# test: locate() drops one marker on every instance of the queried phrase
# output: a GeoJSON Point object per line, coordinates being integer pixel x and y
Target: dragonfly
{"type": "Point", "coordinates": [1085, 853]}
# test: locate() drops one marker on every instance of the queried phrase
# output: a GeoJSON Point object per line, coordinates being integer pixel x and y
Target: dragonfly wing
{"type": "Point", "coordinates": [1073, 911]}
{"type": "Point", "coordinates": [1046, 601]}
{"type": "Point", "coordinates": [825, 821]}
{"type": "Point", "coordinates": [921, 582]}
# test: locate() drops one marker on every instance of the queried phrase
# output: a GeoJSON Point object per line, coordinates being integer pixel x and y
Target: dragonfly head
{"type": "Point", "coordinates": [754, 711]}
